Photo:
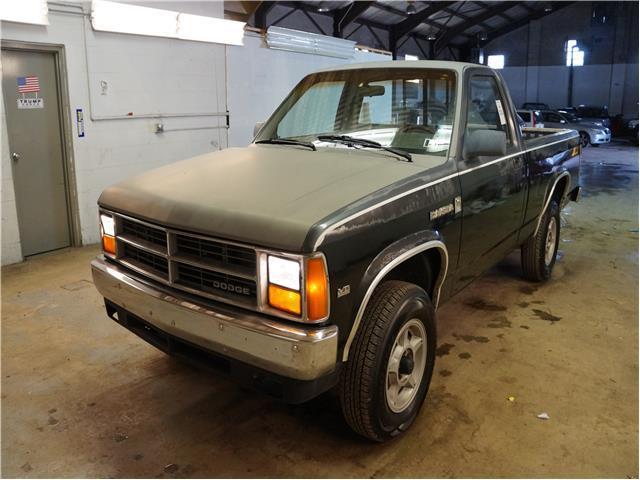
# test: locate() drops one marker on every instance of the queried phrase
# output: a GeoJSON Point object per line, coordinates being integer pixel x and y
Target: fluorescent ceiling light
{"type": "Point", "coordinates": [209, 29]}
{"type": "Point", "coordinates": [24, 11]}
{"type": "Point", "coordinates": [410, 57]}
{"type": "Point", "coordinates": [123, 18]}
{"type": "Point", "coordinates": [296, 41]}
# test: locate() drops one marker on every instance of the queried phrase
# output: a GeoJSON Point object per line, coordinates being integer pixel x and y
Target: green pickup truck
{"type": "Point", "coordinates": [317, 256]}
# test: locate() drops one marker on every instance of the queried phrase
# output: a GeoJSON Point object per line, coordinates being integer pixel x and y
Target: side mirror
{"type": "Point", "coordinates": [257, 127]}
{"type": "Point", "coordinates": [485, 143]}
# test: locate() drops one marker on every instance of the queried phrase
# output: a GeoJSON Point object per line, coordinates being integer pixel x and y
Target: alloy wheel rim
{"type": "Point", "coordinates": [406, 365]}
{"type": "Point", "coordinates": [584, 139]}
{"type": "Point", "coordinates": [550, 243]}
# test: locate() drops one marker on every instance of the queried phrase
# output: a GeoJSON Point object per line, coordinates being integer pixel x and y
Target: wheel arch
{"type": "Point", "coordinates": [424, 248]}
{"type": "Point", "coordinates": [558, 190]}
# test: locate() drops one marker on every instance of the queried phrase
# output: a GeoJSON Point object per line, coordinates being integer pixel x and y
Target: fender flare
{"type": "Point", "coordinates": [392, 256]}
{"type": "Point", "coordinates": [550, 196]}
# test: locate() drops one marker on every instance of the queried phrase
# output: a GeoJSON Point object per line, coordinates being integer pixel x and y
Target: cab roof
{"type": "Point", "coordinates": [436, 64]}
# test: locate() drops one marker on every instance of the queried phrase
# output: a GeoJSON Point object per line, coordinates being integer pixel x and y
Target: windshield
{"type": "Point", "coordinates": [411, 110]}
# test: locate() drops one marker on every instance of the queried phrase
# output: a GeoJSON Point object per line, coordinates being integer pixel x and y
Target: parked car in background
{"type": "Point", "coordinates": [631, 130]}
{"type": "Point", "coordinates": [534, 106]}
{"type": "Point", "coordinates": [532, 118]}
{"type": "Point", "coordinates": [591, 133]}
{"type": "Point", "coordinates": [594, 113]}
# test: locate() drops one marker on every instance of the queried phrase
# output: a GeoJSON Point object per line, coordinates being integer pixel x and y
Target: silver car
{"type": "Point", "coordinates": [591, 132]}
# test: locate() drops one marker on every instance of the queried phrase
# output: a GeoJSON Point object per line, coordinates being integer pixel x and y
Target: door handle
{"type": "Point", "coordinates": [15, 156]}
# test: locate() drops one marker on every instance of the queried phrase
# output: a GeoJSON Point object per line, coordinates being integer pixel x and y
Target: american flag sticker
{"type": "Point", "coordinates": [28, 84]}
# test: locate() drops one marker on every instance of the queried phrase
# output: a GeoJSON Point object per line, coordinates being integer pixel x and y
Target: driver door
{"type": "Point", "coordinates": [492, 177]}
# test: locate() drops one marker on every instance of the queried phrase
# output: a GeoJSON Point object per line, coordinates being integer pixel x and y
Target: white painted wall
{"type": "Point", "coordinates": [145, 75]}
{"type": "Point", "coordinates": [259, 78]}
{"type": "Point", "coordinates": [9, 234]}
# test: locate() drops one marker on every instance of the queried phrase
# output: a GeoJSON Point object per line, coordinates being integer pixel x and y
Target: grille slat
{"type": "Point", "coordinates": [211, 251]}
{"type": "Point", "coordinates": [142, 258]}
{"type": "Point", "coordinates": [144, 232]}
{"type": "Point", "coordinates": [211, 268]}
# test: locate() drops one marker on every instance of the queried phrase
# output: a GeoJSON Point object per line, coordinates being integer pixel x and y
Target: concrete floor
{"type": "Point", "coordinates": [81, 396]}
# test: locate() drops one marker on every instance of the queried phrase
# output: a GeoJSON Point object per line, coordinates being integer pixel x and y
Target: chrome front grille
{"type": "Point", "coordinates": [214, 253]}
{"type": "Point", "coordinates": [200, 265]}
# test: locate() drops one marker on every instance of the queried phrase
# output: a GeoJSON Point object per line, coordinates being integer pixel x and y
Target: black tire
{"type": "Point", "coordinates": [536, 264]}
{"type": "Point", "coordinates": [585, 139]}
{"type": "Point", "coordinates": [393, 306]}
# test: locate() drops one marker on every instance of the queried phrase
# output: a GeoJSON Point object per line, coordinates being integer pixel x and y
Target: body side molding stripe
{"type": "Point", "coordinates": [386, 269]}
{"type": "Point", "coordinates": [339, 223]}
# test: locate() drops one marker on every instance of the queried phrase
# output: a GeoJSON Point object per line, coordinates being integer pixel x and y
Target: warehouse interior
{"type": "Point", "coordinates": [529, 381]}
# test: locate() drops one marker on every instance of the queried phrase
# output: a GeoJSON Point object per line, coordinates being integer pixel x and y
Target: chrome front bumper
{"type": "Point", "coordinates": [297, 352]}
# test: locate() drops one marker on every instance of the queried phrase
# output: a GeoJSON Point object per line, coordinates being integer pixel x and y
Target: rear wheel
{"type": "Point", "coordinates": [385, 381]}
{"type": "Point", "coordinates": [538, 253]}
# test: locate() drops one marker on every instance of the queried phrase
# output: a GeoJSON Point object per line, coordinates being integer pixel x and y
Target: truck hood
{"type": "Point", "coordinates": [264, 195]}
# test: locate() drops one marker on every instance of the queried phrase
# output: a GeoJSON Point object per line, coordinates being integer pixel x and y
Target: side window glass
{"type": "Point", "coordinates": [486, 132]}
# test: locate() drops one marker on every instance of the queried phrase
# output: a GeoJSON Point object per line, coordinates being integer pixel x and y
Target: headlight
{"type": "Point", "coordinates": [284, 285]}
{"type": "Point", "coordinates": [108, 233]}
{"type": "Point", "coordinates": [108, 225]}
{"type": "Point", "coordinates": [298, 286]}
{"type": "Point", "coordinates": [285, 273]}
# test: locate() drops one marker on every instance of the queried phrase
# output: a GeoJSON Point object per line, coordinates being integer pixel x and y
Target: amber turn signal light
{"type": "Point", "coordinates": [285, 299]}
{"type": "Point", "coordinates": [317, 289]}
{"type": "Point", "coordinates": [109, 244]}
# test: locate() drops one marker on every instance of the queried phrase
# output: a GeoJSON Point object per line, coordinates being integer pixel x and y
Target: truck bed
{"type": "Point", "coordinates": [535, 137]}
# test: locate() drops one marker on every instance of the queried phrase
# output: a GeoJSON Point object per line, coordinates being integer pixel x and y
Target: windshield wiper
{"type": "Point", "coordinates": [352, 141]}
{"type": "Point", "coordinates": [288, 141]}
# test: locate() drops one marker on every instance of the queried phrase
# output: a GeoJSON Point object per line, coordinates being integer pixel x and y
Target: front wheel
{"type": "Point", "coordinates": [386, 378]}
{"type": "Point", "coordinates": [585, 139]}
{"type": "Point", "coordinates": [538, 253]}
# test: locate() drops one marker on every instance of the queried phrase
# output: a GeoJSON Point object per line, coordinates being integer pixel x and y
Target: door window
{"type": "Point", "coordinates": [552, 117]}
{"type": "Point", "coordinates": [486, 131]}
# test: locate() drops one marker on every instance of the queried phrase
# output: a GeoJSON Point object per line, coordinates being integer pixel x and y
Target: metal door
{"type": "Point", "coordinates": [31, 99]}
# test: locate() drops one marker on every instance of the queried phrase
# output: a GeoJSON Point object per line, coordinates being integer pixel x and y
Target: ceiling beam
{"type": "Point", "coordinates": [536, 15]}
{"type": "Point", "coordinates": [460, 28]}
{"type": "Point", "coordinates": [406, 26]}
{"type": "Point", "coordinates": [343, 17]}
{"type": "Point", "coordinates": [314, 10]}
{"type": "Point", "coordinates": [501, 14]}
{"type": "Point", "coordinates": [396, 11]}
{"type": "Point", "coordinates": [260, 14]}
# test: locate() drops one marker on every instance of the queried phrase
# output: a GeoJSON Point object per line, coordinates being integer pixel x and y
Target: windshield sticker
{"type": "Point", "coordinates": [503, 119]}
